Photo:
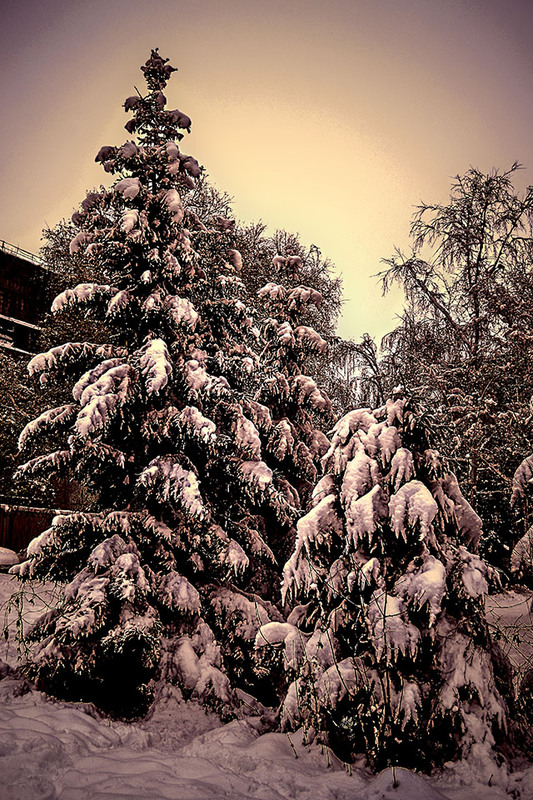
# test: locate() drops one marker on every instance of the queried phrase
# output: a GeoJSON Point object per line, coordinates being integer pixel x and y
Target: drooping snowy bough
{"type": "Point", "coordinates": [386, 651]}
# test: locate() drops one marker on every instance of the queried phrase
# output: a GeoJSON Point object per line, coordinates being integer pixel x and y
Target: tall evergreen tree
{"type": "Point", "coordinates": [387, 641]}
{"type": "Point", "coordinates": [179, 426]}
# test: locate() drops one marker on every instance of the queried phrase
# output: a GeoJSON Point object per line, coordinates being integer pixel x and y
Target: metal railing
{"type": "Point", "coordinates": [20, 253]}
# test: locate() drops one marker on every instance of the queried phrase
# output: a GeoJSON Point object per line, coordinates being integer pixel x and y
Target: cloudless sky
{"type": "Point", "coordinates": [331, 119]}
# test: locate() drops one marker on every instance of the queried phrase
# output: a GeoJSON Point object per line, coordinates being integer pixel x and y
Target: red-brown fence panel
{"type": "Point", "coordinates": [20, 524]}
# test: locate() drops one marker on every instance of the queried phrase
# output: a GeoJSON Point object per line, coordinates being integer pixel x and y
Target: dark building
{"type": "Point", "coordinates": [23, 298]}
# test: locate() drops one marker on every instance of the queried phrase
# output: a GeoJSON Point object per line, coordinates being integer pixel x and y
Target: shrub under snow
{"type": "Point", "coordinates": [386, 651]}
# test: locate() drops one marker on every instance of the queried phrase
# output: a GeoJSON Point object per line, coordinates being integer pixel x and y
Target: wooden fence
{"type": "Point", "coordinates": [20, 524]}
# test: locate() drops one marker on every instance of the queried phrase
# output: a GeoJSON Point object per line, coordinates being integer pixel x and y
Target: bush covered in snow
{"type": "Point", "coordinates": [386, 650]}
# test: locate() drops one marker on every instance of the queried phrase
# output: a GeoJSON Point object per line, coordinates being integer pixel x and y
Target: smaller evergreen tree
{"type": "Point", "coordinates": [386, 640]}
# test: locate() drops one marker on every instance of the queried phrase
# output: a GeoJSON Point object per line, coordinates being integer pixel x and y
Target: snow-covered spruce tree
{"type": "Point", "coordinates": [288, 408]}
{"type": "Point", "coordinates": [387, 653]}
{"type": "Point", "coordinates": [171, 424]}
{"type": "Point", "coordinates": [260, 254]}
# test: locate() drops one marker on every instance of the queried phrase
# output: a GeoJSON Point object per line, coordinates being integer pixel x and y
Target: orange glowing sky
{"type": "Point", "coordinates": [330, 119]}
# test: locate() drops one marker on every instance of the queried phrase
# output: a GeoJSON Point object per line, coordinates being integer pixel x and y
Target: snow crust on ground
{"type": "Point", "coordinates": [52, 750]}
{"type": "Point", "coordinates": [8, 557]}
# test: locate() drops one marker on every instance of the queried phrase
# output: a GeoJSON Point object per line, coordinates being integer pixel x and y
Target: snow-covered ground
{"type": "Point", "coordinates": [52, 750]}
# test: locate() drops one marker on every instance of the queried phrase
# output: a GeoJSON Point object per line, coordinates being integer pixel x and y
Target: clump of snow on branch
{"type": "Point", "coordinates": [173, 202]}
{"type": "Point", "coordinates": [200, 380]}
{"type": "Point", "coordinates": [389, 631]}
{"type": "Point", "coordinates": [424, 583]}
{"type": "Point", "coordinates": [177, 593]}
{"type": "Point", "coordinates": [474, 573]}
{"type": "Point", "coordinates": [118, 303]}
{"type": "Point", "coordinates": [413, 506]}
{"type": "Point", "coordinates": [272, 291]}
{"type": "Point", "coordinates": [235, 557]}
{"type": "Point", "coordinates": [308, 392]}
{"type": "Point", "coordinates": [468, 521]}
{"type": "Point", "coordinates": [173, 483]}
{"type": "Point", "coordinates": [155, 365]}
{"type": "Point", "coordinates": [129, 188]}
{"type": "Point", "coordinates": [522, 554]}
{"type": "Point", "coordinates": [82, 293]}
{"type": "Point", "coordinates": [129, 220]}
{"type": "Point", "coordinates": [100, 400]}
{"type": "Point", "coordinates": [81, 238]}
{"type": "Point", "coordinates": [48, 420]}
{"type": "Point", "coordinates": [361, 474]}
{"type": "Point", "coordinates": [247, 437]}
{"type": "Point", "coordinates": [302, 295]}
{"type": "Point", "coordinates": [257, 474]}
{"type": "Point", "coordinates": [365, 515]}
{"type": "Point", "coordinates": [197, 425]}
{"type": "Point", "coordinates": [181, 311]}
{"type": "Point", "coordinates": [308, 337]}
{"type": "Point", "coordinates": [402, 468]}
{"type": "Point", "coordinates": [92, 375]}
